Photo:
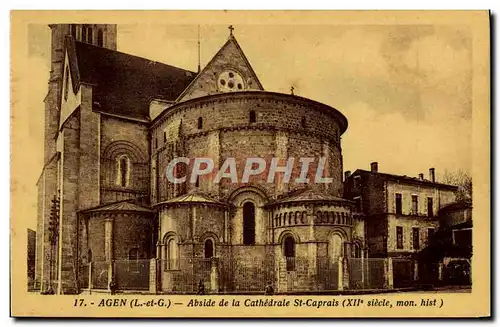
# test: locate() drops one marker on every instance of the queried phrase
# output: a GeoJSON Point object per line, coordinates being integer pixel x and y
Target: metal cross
{"type": "Point", "coordinates": [231, 29]}
{"type": "Point", "coordinates": [291, 89]}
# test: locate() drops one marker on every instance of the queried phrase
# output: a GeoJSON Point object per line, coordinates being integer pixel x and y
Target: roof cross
{"type": "Point", "coordinates": [291, 89]}
{"type": "Point", "coordinates": [231, 29]}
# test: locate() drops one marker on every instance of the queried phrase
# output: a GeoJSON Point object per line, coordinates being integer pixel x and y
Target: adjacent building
{"type": "Point", "coordinates": [400, 212]}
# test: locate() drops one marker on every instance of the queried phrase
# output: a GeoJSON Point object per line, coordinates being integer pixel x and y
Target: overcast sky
{"type": "Point", "coordinates": [405, 90]}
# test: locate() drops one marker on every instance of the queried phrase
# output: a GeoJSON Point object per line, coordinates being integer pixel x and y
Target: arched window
{"type": "Point", "coordinates": [276, 220]}
{"type": "Point", "coordinates": [290, 217]}
{"type": "Point", "coordinates": [336, 246]}
{"type": "Point", "coordinates": [123, 171]}
{"type": "Point", "coordinates": [90, 35]}
{"type": "Point", "coordinates": [289, 252]}
{"type": "Point", "coordinates": [200, 122]}
{"type": "Point", "coordinates": [209, 249]}
{"type": "Point", "coordinates": [253, 119]}
{"type": "Point", "coordinates": [100, 38]}
{"type": "Point", "coordinates": [66, 83]}
{"type": "Point", "coordinates": [319, 216]}
{"type": "Point", "coordinates": [297, 217]}
{"type": "Point", "coordinates": [171, 254]}
{"type": "Point", "coordinates": [248, 223]}
{"type": "Point", "coordinates": [284, 219]}
{"type": "Point", "coordinates": [324, 219]}
{"type": "Point", "coordinates": [356, 250]}
{"type": "Point", "coordinates": [89, 256]}
{"type": "Point", "coordinates": [304, 217]}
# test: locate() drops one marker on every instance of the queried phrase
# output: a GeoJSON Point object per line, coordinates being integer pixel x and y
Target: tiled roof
{"type": "Point", "coordinates": [309, 195]}
{"type": "Point", "coordinates": [193, 197]}
{"type": "Point", "coordinates": [119, 206]}
{"type": "Point", "coordinates": [124, 84]}
{"type": "Point", "coordinates": [405, 178]}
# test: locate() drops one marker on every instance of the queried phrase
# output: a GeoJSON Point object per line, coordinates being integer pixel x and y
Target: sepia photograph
{"type": "Point", "coordinates": [320, 162]}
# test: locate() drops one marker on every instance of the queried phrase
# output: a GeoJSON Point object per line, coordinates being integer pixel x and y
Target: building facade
{"type": "Point", "coordinates": [401, 212]}
{"type": "Point", "coordinates": [114, 123]}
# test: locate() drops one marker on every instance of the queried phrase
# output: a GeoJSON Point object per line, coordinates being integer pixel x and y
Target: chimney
{"type": "Point", "coordinates": [432, 175]}
{"type": "Point", "coordinates": [347, 174]}
{"type": "Point", "coordinates": [374, 167]}
{"type": "Point", "coordinates": [421, 176]}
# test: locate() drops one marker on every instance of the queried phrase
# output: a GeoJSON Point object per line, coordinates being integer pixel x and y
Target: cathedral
{"type": "Point", "coordinates": [109, 217]}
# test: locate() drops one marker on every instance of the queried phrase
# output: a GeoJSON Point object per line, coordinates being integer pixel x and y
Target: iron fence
{"type": "Point", "coordinates": [131, 274]}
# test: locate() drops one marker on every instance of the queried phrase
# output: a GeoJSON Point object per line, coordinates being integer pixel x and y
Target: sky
{"type": "Point", "coordinates": [405, 89]}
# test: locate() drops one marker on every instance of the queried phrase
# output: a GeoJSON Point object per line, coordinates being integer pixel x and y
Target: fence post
{"type": "Point", "coordinates": [111, 280]}
{"type": "Point", "coordinates": [90, 275]}
{"type": "Point", "coordinates": [363, 262]}
{"type": "Point", "coordinates": [152, 276]}
{"type": "Point", "coordinates": [214, 276]}
{"type": "Point", "coordinates": [340, 282]}
{"type": "Point", "coordinates": [389, 275]}
{"type": "Point", "coordinates": [440, 271]}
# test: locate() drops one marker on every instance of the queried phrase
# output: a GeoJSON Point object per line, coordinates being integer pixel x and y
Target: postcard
{"type": "Point", "coordinates": [250, 164]}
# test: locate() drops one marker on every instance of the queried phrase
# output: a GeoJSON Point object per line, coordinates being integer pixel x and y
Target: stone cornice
{"type": "Point", "coordinates": [247, 96]}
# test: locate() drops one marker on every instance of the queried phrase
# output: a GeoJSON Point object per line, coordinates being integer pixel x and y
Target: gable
{"type": "Point", "coordinates": [71, 96]}
{"type": "Point", "coordinates": [228, 71]}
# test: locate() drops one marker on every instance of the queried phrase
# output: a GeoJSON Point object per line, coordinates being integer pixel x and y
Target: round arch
{"type": "Point", "coordinates": [118, 148]}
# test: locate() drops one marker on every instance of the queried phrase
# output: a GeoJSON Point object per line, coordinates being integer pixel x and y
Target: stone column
{"type": "Point", "coordinates": [363, 263]}
{"type": "Point", "coordinates": [214, 276]}
{"type": "Point", "coordinates": [108, 246]}
{"type": "Point", "coordinates": [152, 276]}
{"type": "Point", "coordinates": [415, 270]}
{"type": "Point", "coordinates": [226, 214]}
{"type": "Point", "coordinates": [440, 271]}
{"type": "Point", "coordinates": [389, 276]}
{"type": "Point", "coordinates": [91, 264]}
{"type": "Point", "coordinates": [340, 281]}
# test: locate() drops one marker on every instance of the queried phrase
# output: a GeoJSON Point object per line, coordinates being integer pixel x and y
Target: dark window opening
{"type": "Point", "coordinates": [84, 34]}
{"type": "Point", "coordinates": [248, 223]}
{"type": "Point", "coordinates": [72, 29]}
{"type": "Point", "coordinates": [90, 36]}
{"type": "Point", "coordinates": [430, 235]}
{"type": "Point", "coordinates": [430, 212]}
{"type": "Point", "coordinates": [414, 204]}
{"type": "Point", "coordinates": [164, 137]}
{"type": "Point", "coordinates": [289, 252]}
{"type": "Point", "coordinates": [399, 237]}
{"type": "Point", "coordinates": [200, 122]}
{"type": "Point", "coordinates": [209, 249]}
{"type": "Point", "coordinates": [399, 204]}
{"type": "Point", "coordinates": [252, 117]}
{"type": "Point", "coordinates": [197, 183]}
{"type": "Point", "coordinates": [123, 171]}
{"type": "Point", "coordinates": [100, 38]}
{"type": "Point", "coordinates": [89, 256]}
{"type": "Point", "coordinates": [416, 238]}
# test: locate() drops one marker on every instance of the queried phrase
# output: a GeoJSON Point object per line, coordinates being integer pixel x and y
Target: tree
{"type": "Point", "coordinates": [461, 179]}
